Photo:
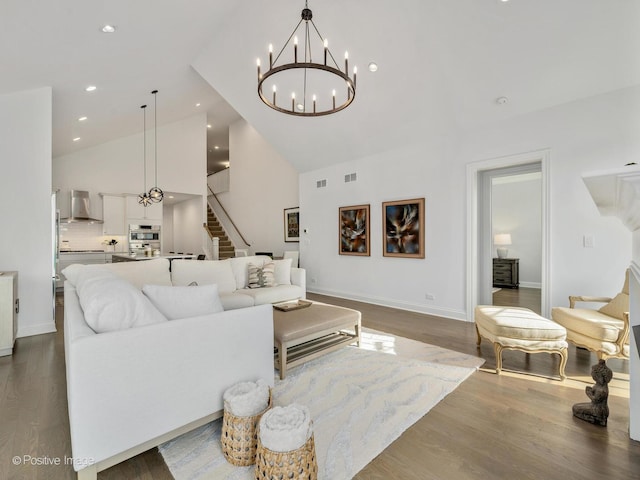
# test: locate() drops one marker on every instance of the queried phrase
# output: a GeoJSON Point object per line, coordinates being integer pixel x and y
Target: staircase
{"type": "Point", "coordinates": [214, 226]}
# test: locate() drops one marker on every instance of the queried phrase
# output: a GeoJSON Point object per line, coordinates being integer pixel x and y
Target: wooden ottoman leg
{"type": "Point", "coordinates": [479, 339]}
{"type": "Point", "coordinates": [498, 349]}
{"type": "Point", "coordinates": [358, 334]}
{"type": "Point", "coordinates": [282, 356]}
{"type": "Point", "coordinates": [564, 355]}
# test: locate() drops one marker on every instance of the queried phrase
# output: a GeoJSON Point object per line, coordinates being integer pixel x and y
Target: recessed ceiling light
{"type": "Point", "coordinates": [216, 147]}
{"type": "Point", "coordinates": [170, 196]}
{"type": "Point", "coordinates": [108, 29]}
{"type": "Point", "coordinates": [208, 125]}
{"type": "Point", "coordinates": [197, 104]}
{"type": "Point", "coordinates": [373, 67]}
{"type": "Point", "coordinates": [82, 119]}
{"type": "Point", "coordinates": [77, 139]}
{"type": "Point", "coordinates": [502, 100]}
{"type": "Point", "coordinates": [91, 88]}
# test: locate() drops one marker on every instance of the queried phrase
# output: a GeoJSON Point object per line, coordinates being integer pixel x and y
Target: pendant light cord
{"type": "Point", "coordinates": [155, 133]}
{"type": "Point", "coordinates": [144, 144]}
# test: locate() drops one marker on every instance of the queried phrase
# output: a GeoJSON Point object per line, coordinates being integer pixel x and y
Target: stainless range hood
{"type": "Point", "coordinates": [80, 208]}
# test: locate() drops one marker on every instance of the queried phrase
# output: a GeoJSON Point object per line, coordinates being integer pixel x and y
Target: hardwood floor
{"type": "Point", "coordinates": [514, 426]}
{"type": "Point", "coordinates": [519, 297]}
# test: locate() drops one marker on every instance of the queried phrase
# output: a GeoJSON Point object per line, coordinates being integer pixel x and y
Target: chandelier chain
{"type": "Point", "coordinates": [287, 42]}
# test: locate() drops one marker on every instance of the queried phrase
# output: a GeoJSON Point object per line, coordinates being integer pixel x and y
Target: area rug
{"type": "Point", "coordinates": [360, 399]}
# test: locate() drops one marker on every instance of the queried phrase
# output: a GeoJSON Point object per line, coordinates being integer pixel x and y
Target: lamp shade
{"type": "Point", "coordinates": [502, 239]}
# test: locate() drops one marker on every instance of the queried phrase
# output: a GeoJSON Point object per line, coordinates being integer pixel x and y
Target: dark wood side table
{"type": "Point", "coordinates": [506, 272]}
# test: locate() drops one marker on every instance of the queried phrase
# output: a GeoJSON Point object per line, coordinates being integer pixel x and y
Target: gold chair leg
{"type": "Point", "coordinates": [497, 348]}
{"type": "Point", "coordinates": [479, 339]}
{"type": "Point", "coordinates": [564, 356]}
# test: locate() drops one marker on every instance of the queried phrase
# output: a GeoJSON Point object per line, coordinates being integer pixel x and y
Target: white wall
{"type": "Point", "coordinates": [167, 228]}
{"type": "Point", "coordinates": [261, 185]}
{"type": "Point", "coordinates": [596, 133]}
{"type": "Point", "coordinates": [517, 209]}
{"type": "Point", "coordinates": [185, 215]}
{"type": "Point", "coordinates": [117, 167]}
{"type": "Point", "coordinates": [25, 204]}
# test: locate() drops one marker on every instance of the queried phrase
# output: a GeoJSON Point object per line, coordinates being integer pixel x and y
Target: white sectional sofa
{"type": "Point", "coordinates": [145, 379]}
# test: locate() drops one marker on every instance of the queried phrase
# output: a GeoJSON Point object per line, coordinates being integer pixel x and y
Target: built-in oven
{"type": "Point", "coordinates": [144, 239]}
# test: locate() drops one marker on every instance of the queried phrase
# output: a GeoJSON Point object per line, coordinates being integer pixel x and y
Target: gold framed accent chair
{"type": "Point", "coordinates": [604, 331]}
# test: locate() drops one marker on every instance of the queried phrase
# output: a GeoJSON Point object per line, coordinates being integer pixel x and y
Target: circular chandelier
{"type": "Point", "coordinates": [315, 89]}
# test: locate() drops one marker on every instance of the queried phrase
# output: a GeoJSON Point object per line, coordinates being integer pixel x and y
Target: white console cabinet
{"type": "Point", "coordinates": [9, 307]}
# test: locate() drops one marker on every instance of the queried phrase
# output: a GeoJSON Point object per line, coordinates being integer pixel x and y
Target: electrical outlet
{"type": "Point", "coordinates": [588, 241]}
{"type": "Point", "coordinates": [429, 296]}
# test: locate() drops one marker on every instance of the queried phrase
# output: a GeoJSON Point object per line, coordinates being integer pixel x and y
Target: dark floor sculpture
{"type": "Point", "coordinates": [597, 411]}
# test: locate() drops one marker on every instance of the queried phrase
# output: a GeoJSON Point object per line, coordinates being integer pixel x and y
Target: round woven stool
{"type": "Point", "coordinates": [299, 464]}
{"type": "Point", "coordinates": [240, 437]}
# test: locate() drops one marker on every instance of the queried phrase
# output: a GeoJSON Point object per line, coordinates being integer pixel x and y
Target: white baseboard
{"type": "Point", "coordinates": [388, 302]}
{"type": "Point", "coordinates": [49, 327]}
{"type": "Point", "coordinates": [537, 285]}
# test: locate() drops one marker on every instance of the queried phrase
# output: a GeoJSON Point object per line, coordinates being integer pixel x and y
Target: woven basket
{"type": "Point", "coordinates": [240, 437]}
{"type": "Point", "coordinates": [296, 464]}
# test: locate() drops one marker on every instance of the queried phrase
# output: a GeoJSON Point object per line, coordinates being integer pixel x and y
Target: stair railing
{"type": "Point", "coordinates": [228, 216]}
{"type": "Point", "coordinates": [210, 244]}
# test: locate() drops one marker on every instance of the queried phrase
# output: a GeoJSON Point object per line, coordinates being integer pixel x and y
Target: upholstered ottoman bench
{"type": "Point", "coordinates": [304, 334]}
{"type": "Point", "coordinates": [521, 329]}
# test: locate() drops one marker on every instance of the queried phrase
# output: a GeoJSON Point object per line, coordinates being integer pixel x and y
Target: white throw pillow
{"type": "Point", "coordinates": [184, 302]}
{"type": "Point", "coordinates": [111, 303]}
{"type": "Point", "coordinates": [283, 271]}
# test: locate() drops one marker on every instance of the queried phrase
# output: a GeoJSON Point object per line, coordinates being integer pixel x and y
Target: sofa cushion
{"type": "Point", "coordinates": [283, 271]}
{"type": "Point", "coordinates": [231, 301]}
{"type": "Point", "coordinates": [184, 302]}
{"type": "Point", "coordinates": [591, 323]}
{"type": "Point", "coordinates": [279, 293]}
{"type": "Point", "coordinates": [138, 273]}
{"type": "Point", "coordinates": [240, 269]}
{"type": "Point", "coordinates": [617, 307]}
{"type": "Point", "coordinates": [111, 303]}
{"type": "Point", "coordinates": [204, 272]}
{"type": "Point", "coordinates": [261, 276]}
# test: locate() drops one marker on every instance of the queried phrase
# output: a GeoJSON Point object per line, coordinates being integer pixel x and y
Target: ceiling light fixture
{"type": "Point", "coordinates": [197, 104]}
{"type": "Point", "coordinates": [90, 88]}
{"type": "Point", "coordinates": [502, 100]}
{"type": "Point", "coordinates": [82, 119]}
{"type": "Point", "coordinates": [108, 29]}
{"type": "Point", "coordinates": [77, 139]}
{"type": "Point", "coordinates": [307, 75]}
{"type": "Point", "coordinates": [216, 147]}
{"type": "Point", "coordinates": [143, 198]}
{"type": "Point", "coordinates": [208, 125]}
{"type": "Point", "coordinates": [373, 67]}
{"type": "Point", "coordinates": [155, 194]}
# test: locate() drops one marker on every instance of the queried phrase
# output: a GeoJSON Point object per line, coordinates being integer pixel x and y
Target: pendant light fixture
{"type": "Point", "coordinates": [155, 194]}
{"type": "Point", "coordinates": [317, 87]}
{"type": "Point", "coordinates": [143, 198]}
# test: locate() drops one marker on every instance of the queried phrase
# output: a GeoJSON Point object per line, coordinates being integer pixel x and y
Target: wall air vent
{"type": "Point", "coordinates": [321, 183]}
{"type": "Point", "coordinates": [350, 177]}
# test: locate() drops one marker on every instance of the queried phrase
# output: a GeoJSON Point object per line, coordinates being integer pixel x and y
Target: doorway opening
{"type": "Point", "coordinates": [508, 204]}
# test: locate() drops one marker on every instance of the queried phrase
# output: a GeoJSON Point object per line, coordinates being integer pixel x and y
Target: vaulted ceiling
{"type": "Point", "coordinates": [442, 65]}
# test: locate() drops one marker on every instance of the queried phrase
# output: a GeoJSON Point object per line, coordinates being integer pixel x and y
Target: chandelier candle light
{"type": "Point", "coordinates": [155, 194]}
{"type": "Point", "coordinates": [143, 198]}
{"type": "Point", "coordinates": [307, 75]}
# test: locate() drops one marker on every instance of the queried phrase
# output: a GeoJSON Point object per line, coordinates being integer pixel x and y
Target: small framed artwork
{"type": "Point", "coordinates": [353, 230]}
{"type": "Point", "coordinates": [403, 223]}
{"type": "Point", "coordinates": [292, 224]}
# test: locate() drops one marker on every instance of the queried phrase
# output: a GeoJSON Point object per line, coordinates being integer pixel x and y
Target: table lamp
{"type": "Point", "coordinates": [502, 239]}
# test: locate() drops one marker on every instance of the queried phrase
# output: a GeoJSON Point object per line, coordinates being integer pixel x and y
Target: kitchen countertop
{"type": "Point", "coordinates": [92, 251]}
{"type": "Point", "coordinates": [144, 257]}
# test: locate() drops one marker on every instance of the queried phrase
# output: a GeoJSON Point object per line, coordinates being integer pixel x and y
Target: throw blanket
{"type": "Point", "coordinates": [283, 429]}
{"type": "Point", "coordinates": [246, 399]}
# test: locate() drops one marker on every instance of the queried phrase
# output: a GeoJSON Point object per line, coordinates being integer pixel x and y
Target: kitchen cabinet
{"type": "Point", "coordinates": [138, 214]}
{"type": "Point", "coordinates": [9, 308]}
{"type": "Point", "coordinates": [113, 209]}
